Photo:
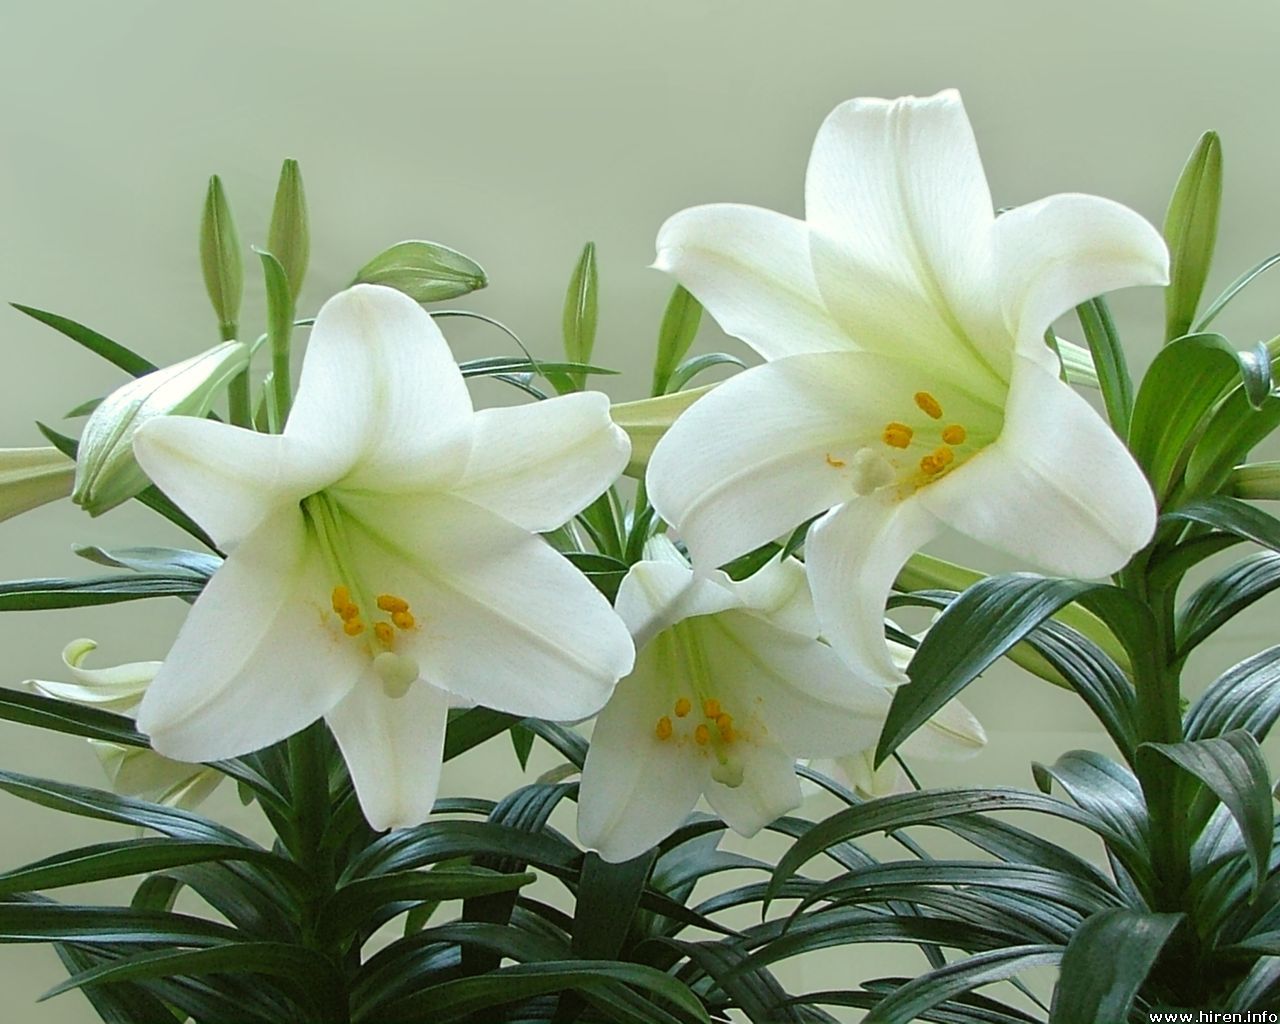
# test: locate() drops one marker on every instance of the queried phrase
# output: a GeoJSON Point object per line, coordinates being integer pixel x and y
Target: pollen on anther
{"type": "Point", "coordinates": [725, 724]}
{"type": "Point", "coordinates": [834, 462]}
{"type": "Point", "coordinates": [341, 598]}
{"type": "Point", "coordinates": [348, 612]}
{"type": "Point", "coordinates": [711, 707]}
{"type": "Point", "coordinates": [391, 603]}
{"type": "Point", "coordinates": [897, 435]}
{"type": "Point", "coordinates": [938, 460]}
{"type": "Point", "coordinates": [403, 620]}
{"type": "Point", "coordinates": [663, 729]}
{"type": "Point", "coordinates": [928, 405]}
{"type": "Point", "coordinates": [954, 434]}
{"type": "Point", "coordinates": [702, 735]}
{"type": "Point", "coordinates": [384, 633]}
{"type": "Point", "coordinates": [353, 627]}
{"type": "Point", "coordinates": [683, 707]}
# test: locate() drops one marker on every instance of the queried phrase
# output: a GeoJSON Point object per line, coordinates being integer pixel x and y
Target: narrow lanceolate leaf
{"type": "Point", "coordinates": [581, 311]}
{"type": "Point", "coordinates": [425, 271]}
{"type": "Point", "coordinates": [289, 237]}
{"type": "Point", "coordinates": [33, 595]}
{"type": "Point", "coordinates": [1234, 289]}
{"type": "Point", "coordinates": [153, 559]}
{"type": "Point", "coordinates": [1229, 592]}
{"type": "Point", "coordinates": [679, 328]}
{"type": "Point", "coordinates": [1232, 432]}
{"type": "Point", "coordinates": [981, 625]}
{"type": "Point", "coordinates": [911, 1000]}
{"type": "Point", "coordinates": [1108, 357]}
{"type": "Point", "coordinates": [1106, 963]}
{"type": "Point", "coordinates": [55, 922]}
{"type": "Point", "coordinates": [1233, 516]}
{"type": "Point", "coordinates": [98, 344]}
{"type": "Point", "coordinates": [281, 292]}
{"type": "Point", "coordinates": [1191, 230]}
{"type": "Point", "coordinates": [472, 727]}
{"type": "Point", "coordinates": [690, 368]}
{"type": "Point", "coordinates": [1233, 768]}
{"type": "Point", "coordinates": [118, 1004]}
{"type": "Point", "coordinates": [608, 895]}
{"type": "Point", "coordinates": [73, 719]}
{"type": "Point", "coordinates": [1246, 696]}
{"type": "Point", "coordinates": [220, 258]}
{"type": "Point", "coordinates": [1103, 788]}
{"type": "Point", "coordinates": [455, 1000]}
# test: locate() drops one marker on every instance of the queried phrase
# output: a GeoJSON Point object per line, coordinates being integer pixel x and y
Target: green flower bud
{"type": "Point", "coordinates": [289, 237]}
{"type": "Point", "coordinates": [424, 271]}
{"type": "Point", "coordinates": [1256, 481]}
{"type": "Point", "coordinates": [220, 258]}
{"type": "Point", "coordinates": [1191, 229]}
{"type": "Point", "coordinates": [30, 477]}
{"type": "Point", "coordinates": [106, 473]}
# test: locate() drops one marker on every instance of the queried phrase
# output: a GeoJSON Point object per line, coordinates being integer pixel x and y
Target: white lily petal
{"type": "Point", "coordinates": [502, 619]}
{"type": "Point", "coordinates": [1058, 488]}
{"type": "Point", "coordinates": [780, 593]}
{"type": "Point", "coordinates": [805, 699]}
{"type": "Point", "coordinates": [769, 789]}
{"type": "Point", "coordinates": [901, 217]}
{"type": "Point", "coordinates": [115, 688]}
{"type": "Point", "coordinates": [859, 773]}
{"type": "Point", "coordinates": [751, 269]}
{"type": "Point", "coordinates": [853, 554]}
{"type": "Point", "coordinates": [767, 450]}
{"type": "Point", "coordinates": [380, 389]}
{"type": "Point", "coordinates": [257, 658]}
{"type": "Point", "coordinates": [1056, 253]}
{"type": "Point", "coordinates": [952, 734]}
{"type": "Point", "coordinates": [393, 748]}
{"type": "Point", "coordinates": [636, 788]}
{"type": "Point", "coordinates": [227, 479]}
{"type": "Point", "coordinates": [654, 595]}
{"type": "Point", "coordinates": [540, 464]}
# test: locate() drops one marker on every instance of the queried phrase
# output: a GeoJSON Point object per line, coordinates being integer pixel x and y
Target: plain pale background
{"type": "Point", "coordinates": [515, 132]}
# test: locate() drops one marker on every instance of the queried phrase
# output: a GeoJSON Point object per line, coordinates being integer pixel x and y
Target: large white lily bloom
{"type": "Point", "coordinates": [382, 560]}
{"type": "Point", "coordinates": [133, 771]}
{"type": "Point", "coordinates": [731, 686]}
{"type": "Point", "coordinates": [908, 385]}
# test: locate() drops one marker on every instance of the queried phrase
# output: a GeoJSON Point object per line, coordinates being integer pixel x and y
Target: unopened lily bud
{"type": "Point", "coordinates": [220, 258]}
{"type": "Point", "coordinates": [1256, 480]}
{"type": "Point", "coordinates": [425, 271]}
{"type": "Point", "coordinates": [647, 420]}
{"type": "Point", "coordinates": [289, 237]}
{"type": "Point", "coordinates": [30, 477]}
{"type": "Point", "coordinates": [106, 472]}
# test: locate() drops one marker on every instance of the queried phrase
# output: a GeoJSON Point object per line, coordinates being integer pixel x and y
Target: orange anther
{"type": "Point", "coordinates": [404, 620]}
{"type": "Point", "coordinates": [928, 405]}
{"type": "Point", "coordinates": [353, 627]}
{"type": "Point", "coordinates": [349, 612]}
{"type": "Point", "coordinates": [341, 598]}
{"type": "Point", "coordinates": [384, 632]}
{"type": "Point", "coordinates": [711, 707]}
{"type": "Point", "coordinates": [954, 434]}
{"type": "Point", "coordinates": [897, 435]}
{"type": "Point", "coordinates": [703, 735]}
{"type": "Point", "coordinates": [683, 707]}
{"type": "Point", "coordinates": [663, 728]}
{"type": "Point", "coordinates": [391, 603]}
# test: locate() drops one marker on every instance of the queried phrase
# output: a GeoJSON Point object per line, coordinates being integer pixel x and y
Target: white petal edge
{"type": "Point", "coordinates": [655, 595]}
{"type": "Point", "coordinates": [256, 659]}
{"type": "Point", "coordinates": [541, 464]}
{"type": "Point", "coordinates": [769, 790]}
{"type": "Point", "coordinates": [853, 555]}
{"type": "Point", "coordinates": [750, 268]}
{"type": "Point", "coordinates": [394, 749]}
{"type": "Point", "coordinates": [381, 391]}
{"type": "Point", "coordinates": [1058, 488]}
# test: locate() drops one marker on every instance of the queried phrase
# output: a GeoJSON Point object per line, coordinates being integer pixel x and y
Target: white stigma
{"type": "Point", "coordinates": [397, 672]}
{"type": "Point", "coordinates": [869, 471]}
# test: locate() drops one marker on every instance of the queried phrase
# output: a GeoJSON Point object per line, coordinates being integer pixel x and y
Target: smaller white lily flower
{"type": "Point", "coordinates": [907, 387]}
{"type": "Point", "coordinates": [132, 771]}
{"type": "Point", "coordinates": [383, 562]}
{"type": "Point", "coordinates": [731, 686]}
{"type": "Point", "coordinates": [106, 472]}
{"type": "Point", "coordinates": [31, 477]}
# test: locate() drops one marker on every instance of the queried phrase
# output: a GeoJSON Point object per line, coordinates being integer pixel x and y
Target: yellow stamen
{"type": "Point", "coordinates": [937, 461]}
{"type": "Point", "coordinates": [711, 707]}
{"type": "Point", "coordinates": [385, 633]}
{"type": "Point", "coordinates": [702, 735]}
{"type": "Point", "coordinates": [663, 729]}
{"type": "Point", "coordinates": [391, 603]}
{"type": "Point", "coordinates": [404, 620]}
{"type": "Point", "coordinates": [683, 707]}
{"type": "Point", "coordinates": [897, 435]}
{"type": "Point", "coordinates": [833, 462]}
{"type": "Point", "coordinates": [954, 434]}
{"type": "Point", "coordinates": [928, 405]}
{"type": "Point", "coordinates": [725, 724]}
{"type": "Point", "coordinates": [349, 612]}
{"type": "Point", "coordinates": [341, 598]}
{"type": "Point", "coordinates": [353, 627]}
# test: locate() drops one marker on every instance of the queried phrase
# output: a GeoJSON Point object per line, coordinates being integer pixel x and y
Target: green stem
{"type": "Point", "coordinates": [239, 406]}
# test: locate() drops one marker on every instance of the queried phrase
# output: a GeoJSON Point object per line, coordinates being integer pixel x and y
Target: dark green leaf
{"type": "Point", "coordinates": [608, 895]}
{"type": "Point", "coordinates": [56, 922]}
{"type": "Point", "coordinates": [162, 560]}
{"type": "Point", "coordinates": [425, 271]}
{"type": "Point", "coordinates": [119, 1004]}
{"type": "Point", "coordinates": [1106, 963]}
{"type": "Point", "coordinates": [690, 368]}
{"type": "Point", "coordinates": [41, 594]}
{"type": "Point", "coordinates": [472, 727]}
{"type": "Point", "coordinates": [493, 365]}
{"type": "Point", "coordinates": [1229, 436]}
{"type": "Point", "coordinates": [1220, 599]}
{"type": "Point", "coordinates": [1246, 696]}
{"type": "Point", "coordinates": [1191, 229]}
{"type": "Point", "coordinates": [1233, 769]}
{"type": "Point", "coordinates": [605, 572]}
{"type": "Point", "coordinates": [679, 328]}
{"type": "Point", "coordinates": [63, 716]}
{"type": "Point", "coordinates": [1232, 516]}
{"type": "Point", "coordinates": [522, 742]}
{"type": "Point", "coordinates": [116, 354]}
{"type": "Point", "coordinates": [1234, 289]}
{"type": "Point", "coordinates": [1108, 356]}
{"type": "Point", "coordinates": [1103, 788]}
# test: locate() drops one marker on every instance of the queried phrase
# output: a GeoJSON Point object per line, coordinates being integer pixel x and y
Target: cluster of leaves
{"type": "Point", "coordinates": [1186, 916]}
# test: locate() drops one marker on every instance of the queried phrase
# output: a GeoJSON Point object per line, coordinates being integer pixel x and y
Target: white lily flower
{"type": "Point", "coordinates": [133, 771]}
{"type": "Point", "coordinates": [908, 387]}
{"type": "Point", "coordinates": [731, 686]}
{"type": "Point", "coordinates": [382, 560]}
